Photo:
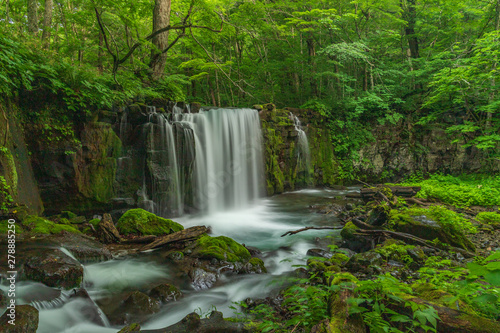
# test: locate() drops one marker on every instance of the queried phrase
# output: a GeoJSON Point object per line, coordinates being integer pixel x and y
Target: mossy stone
{"type": "Point", "coordinates": [140, 222]}
{"type": "Point", "coordinates": [221, 248]}
{"type": "Point", "coordinates": [348, 231]}
{"type": "Point", "coordinates": [39, 225]}
{"type": "Point", "coordinates": [257, 262]}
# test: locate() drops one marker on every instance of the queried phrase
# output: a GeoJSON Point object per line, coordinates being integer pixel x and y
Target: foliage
{"type": "Point", "coordinates": [462, 191]}
{"type": "Point", "coordinates": [6, 199]}
{"type": "Point", "coordinates": [489, 217]}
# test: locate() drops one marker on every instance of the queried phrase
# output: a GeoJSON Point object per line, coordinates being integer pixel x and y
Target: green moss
{"type": "Point", "coordinates": [397, 251]}
{"type": "Point", "coordinates": [258, 262]}
{"type": "Point", "coordinates": [343, 278]}
{"type": "Point", "coordinates": [436, 222]}
{"type": "Point", "coordinates": [480, 324]}
{"type": "Point", "coordinates": [339, 259]}
{"type": "Point", "coordinates": [221, 248]}
{"type": "Point", "coordinates": [491, 218]}
{"type": "Point", "coordinates": [94, 222]}
{"type": "Point", "coordinates": [4, 227]}
{"type": "Point", "coordinates": [67, 214]}
{"type": "Point", "coordinates": [348, 231]}
{"type": "Point", "coordinates": [39, 225]}
{"type": "Point", "coordinates": [140, 222]}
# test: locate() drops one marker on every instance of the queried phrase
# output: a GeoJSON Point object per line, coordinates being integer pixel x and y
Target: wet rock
{"type": "Point", "coordinates": [84, 248]}
{"type": "Point", "coordinates": [201, 279]}
{"type": "Point", "coordinates": [348, 252]}
{"type": "Point", "coordinates": [255, 266]}
{"type": "Point", "coordinates": [137, 307]}
{"type": "Point", "coordinates": [87, 307]}
{"type": "Point", "coordinates": [26, 320]}
{"type": "Point", "coordinates": [54, 268]}
{"type": "Point", "coordinates": [319, 253]}
{"type": "Point", "coordinates": [192, 323]}
{"type": "Point", "coordinates": [165, 293]}
{"type": "Point", "coordinates": [379, 215]}
{"type": "Point", "coordinates": [131, 328]}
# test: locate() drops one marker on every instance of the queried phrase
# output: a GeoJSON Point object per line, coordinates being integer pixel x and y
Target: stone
{"type": "Point", "coordinates": [54, 268]}
{"type": "Point", "coordinates": [165, 293]}
{"type": "Point", "coordinates": [201, 279]}
{"type": "Point", "coordinates": [361, 261]}
{"type": "Point", "coordinates": [26, 320]}
{"type": "Point", "coordinates": [136, 308]}
{"type": "Point", "coordinates": [319, 253]}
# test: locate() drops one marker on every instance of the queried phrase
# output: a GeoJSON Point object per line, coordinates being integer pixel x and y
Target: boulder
{"type": "Point", "coordinates": [136, 308]}
{"type": "Point", "coordinates": [26, 320]}
{"type": "Point", "coordinates": [165, 293]}
{"type": "Point", "coordinates": [54, 268]}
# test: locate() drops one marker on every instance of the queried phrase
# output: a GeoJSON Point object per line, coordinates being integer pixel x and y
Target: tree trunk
{"type": "Point", "coordinates": [100, 66]}
{"type": "Point", "coordinates": [47, 22]}
{"type": "Point", "coordinates": [161, 18]}
{"type": "Point", "coordinates": [32, 17]}
{"type": "Point", "coordinates": [410, 15]}
{"type": "Point", "coordinates": [489, 115]}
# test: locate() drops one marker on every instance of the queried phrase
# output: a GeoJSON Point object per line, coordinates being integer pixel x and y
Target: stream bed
{"type": "Point", "coordinates": [259, 226]}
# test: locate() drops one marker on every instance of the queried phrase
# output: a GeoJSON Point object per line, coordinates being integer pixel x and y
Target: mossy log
{"type": "Point", "coordinates": [401, 191]}
{"type": "Point", "coordinates": [183, 235]}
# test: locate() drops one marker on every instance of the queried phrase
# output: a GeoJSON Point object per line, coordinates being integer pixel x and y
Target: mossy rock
{"type": "Point", "coordinates": [39, 225]}
{"type": "Point", "coordinates": [221, 248]}
{"type": "Point", "coordinates": [4, 227]}
{"type": "Point", "coordinates": [257, 265]}
{"type": "Point", "coordinates": [430, 224]}
{"type": "Point", "coordinates": [348, 231]}
{"type": "Point", "coordinates": [339, 259]}
{"type": "Point", "coordinates": [140, 222]}
{"type": "Point", "coordinates": [67, 214]}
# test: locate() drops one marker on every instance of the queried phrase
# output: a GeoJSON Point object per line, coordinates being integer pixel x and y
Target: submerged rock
{"type": "Point", "coordinates": [137, 307]}
{"type": "Point", "coordinates": [165, 293]}
{"type": "Point", "coordinates": [202, 279]}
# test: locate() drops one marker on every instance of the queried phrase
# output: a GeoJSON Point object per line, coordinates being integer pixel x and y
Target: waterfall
{"type": "Point", "coordinates": [302, 151]}
{"type": "Point", "coordinates": [207, 161]}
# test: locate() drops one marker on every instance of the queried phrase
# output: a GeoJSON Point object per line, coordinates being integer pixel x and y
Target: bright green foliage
{"type": "Point", "coordinates": [221, 248]}
{"type": "Point", "coordinates": [395, 251]}
{"type": "Point", "coordinates": [4, 227]}
{"type": "Point", "coordinates": [5, 196]}
{"type": "Point", "coordinates": [489, 218]}
{"type": "Point", "coordinates": [39, 225]}
{"type": "Point", "coordinates": [462, 191]}
{"type": "Point", "coordinates": [140, 222]}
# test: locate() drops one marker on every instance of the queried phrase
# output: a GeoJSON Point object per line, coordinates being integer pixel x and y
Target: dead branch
{"type": "Point", "coordinates": [309, 228]}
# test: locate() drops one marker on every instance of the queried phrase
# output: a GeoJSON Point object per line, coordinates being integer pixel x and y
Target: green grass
{"type": "Point", "coordinates": [462, 191]}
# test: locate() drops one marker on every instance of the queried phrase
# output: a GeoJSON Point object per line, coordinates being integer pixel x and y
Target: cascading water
{"type": "Point", "coordinates": [303, 153]}
{"type": "Point", "coordinates": [207, 161]}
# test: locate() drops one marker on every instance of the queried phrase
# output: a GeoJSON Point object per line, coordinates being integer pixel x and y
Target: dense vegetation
{"type": "Point", "coordinates": [408, 62]}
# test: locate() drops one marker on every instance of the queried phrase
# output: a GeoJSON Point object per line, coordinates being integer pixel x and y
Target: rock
{"type": "Point", "coordinates": [319, 253]}
{"type": "Point", "coordinates": [379, 215]}
{"type": "Point", "coordinates": [78, 220]}
{"type": "Point", "coordinates": [131, 328]}
{"type": "Point", "coordinates": [54, 268]}
{"type": "Point", "coordinates": [349, 253]}
{"type": "Point", "coordinates": [26, 320]}
{"type": "Point", "coordinates": [254, 265]}
{"type": "Point", "coordinates": [136, 308]}
{"type": "Point", "coordinates": [140, 222]}
{"type": "Point", "coordinates": [165, 293]}
{"type": "Point", "coordinates": [201, 279]}
{"type": "Point", "coordinates": [192, 323]}
{"type": "Point", "coordinates": [222, 248]}
{"type": "Point", "coordinates": [363, 260]}
{"type": "Point", "coordinates": [89, 308]}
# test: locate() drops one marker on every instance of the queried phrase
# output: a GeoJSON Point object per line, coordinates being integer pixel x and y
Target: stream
{"type": "Point", "coordinates": [259, 226]}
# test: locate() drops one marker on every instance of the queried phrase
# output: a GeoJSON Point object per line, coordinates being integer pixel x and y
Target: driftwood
{"type": "Point", "coordinates": [179, 236]}
{"type": "Point", "coordinates": [106, 230]}
{"type": "Point", "coordinates": [309, 228]}
{"type": "Point", "coordinates": [140, 240]}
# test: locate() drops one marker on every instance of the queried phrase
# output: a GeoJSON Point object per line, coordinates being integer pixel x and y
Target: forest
{"type": "Point", "coordinates": [250, 166]}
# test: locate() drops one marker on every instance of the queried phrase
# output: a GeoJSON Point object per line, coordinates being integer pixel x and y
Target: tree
{"type": "Point", "coordinates": [32, 16]}
{"type": "Point", "coordinates": [161, 19]}
{"type": "Point", "coordinates": [47, 22]}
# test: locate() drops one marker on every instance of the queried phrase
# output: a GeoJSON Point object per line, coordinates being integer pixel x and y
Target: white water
{"type": "Point", "coordinates": [208, 161]}
{"type": "Point", "coordinates": [303, 150]}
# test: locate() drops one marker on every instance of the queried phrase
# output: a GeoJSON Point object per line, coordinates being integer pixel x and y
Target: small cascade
{"type": "Point", "coordinates": [55, 303]}
{"type": "Point", "coordinates": [206, 161]}
{"type": "Point", "coordinates": [303, 152]}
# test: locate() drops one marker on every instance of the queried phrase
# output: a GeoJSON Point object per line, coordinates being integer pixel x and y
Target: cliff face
{"type": "Point", "coordinates": [17, 182]}
{"type": "Point", "coordinates": [110, 165]}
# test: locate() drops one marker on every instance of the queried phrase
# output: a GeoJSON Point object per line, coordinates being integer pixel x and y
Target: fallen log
{"type": "Point", "coordinates": [140, 240]}
{"type": "Point", "coordinates": [400, 191]}
{"type": "Point", "coordinates": [309, 228]}
{"type": "Point", "coordinates": [179, 236]}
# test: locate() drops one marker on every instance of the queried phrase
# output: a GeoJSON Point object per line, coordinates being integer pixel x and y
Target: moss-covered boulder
{"type": "Point", "coordinates": [222, 248]}
{"type": "Point", "coordinates": [433, 223]}
{"type": "Point", "coordinates": [165, 293]}
{"type": "Point", "coordinates": [140, 222]}
{"type": "Point", "coordinates": [40, 225]}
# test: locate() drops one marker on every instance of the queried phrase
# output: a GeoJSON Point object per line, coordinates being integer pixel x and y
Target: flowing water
{"type": "Point", "coordinates": [211, 161]}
